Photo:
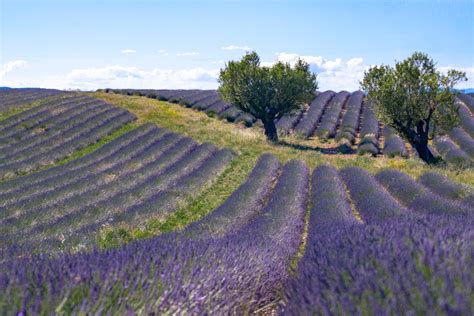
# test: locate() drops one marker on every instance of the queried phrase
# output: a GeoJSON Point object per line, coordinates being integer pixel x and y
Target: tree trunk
{"type": "Point", "coordinates": [420, 142]}
{"type": "Point", "coordinates": [270, 131]}
{"type": "Point", "coordinates": [424, 151]}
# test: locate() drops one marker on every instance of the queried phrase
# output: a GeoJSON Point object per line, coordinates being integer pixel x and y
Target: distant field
{"type": "Point", "coordinates": [111, 203]}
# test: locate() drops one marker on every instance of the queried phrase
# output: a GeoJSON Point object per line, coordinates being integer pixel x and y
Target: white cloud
{"type": "Point", "coordinates": [12, 65]}
{"type": "Point", "coordinates": [188, 54]}
{"type": "Point", "coordinates": [132, 77]}
{"type": "Point", "coordinates": [162, 52]}
{"type": "Point", "coordinates": [128, 51]}
{"type": "Point", "coordinates": [354, 62]}
{"type": "Point", "coordinates": [332, 74]}
{"type": "Point", "coordinates": [235, 47]}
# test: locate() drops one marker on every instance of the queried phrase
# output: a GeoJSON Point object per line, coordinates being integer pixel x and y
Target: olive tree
{"type": "Point", "coordinates": [415, 99]}
{"type": "Point", "coordinates": [267, 93]}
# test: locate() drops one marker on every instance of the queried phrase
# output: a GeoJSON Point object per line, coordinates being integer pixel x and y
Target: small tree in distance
{"type": "Point", "coordinates": [415, 99]}
{"type": "Point", "coordinates": [267, 93]}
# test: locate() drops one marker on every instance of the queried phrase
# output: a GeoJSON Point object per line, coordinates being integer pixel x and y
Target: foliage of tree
{"type": "Point", "coordinates": [415, 99]}
{"type": "Point", "coordinates": [267, 93]}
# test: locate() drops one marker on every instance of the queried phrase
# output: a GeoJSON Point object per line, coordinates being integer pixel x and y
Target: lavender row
{"type": "Point", "coordinates": [282, 220]}
{"type": "Point", "coordinates": [369, 131]}
{"type": "Point", "coordinates": [242, 205]}
{"type": "Point", "coordinates": [204, 100]}
{"type": "Point", "coordinates": [466, 119]}
{"type": "Point", "coordinates": [451, 153]}
{"type": "Point", "coordinates": [414, 196]}
{"type": "Point", "coordinates": [393, 145]}
{"type": "Point", "coordinates": [328, 125]}
{"type": "Point", "coordinates": [467, 100]}
{"type": "Point", "coordinates": [286, 124]}
{"type": "Point", "coordinates": [371, 200]}
{"type": "Point", "coordinates": [208, 101]}
{"type": "Point", "coordinates": [309, 122]}
{"type": "Point", "coordinates": [330, 202]}
{"type": "Point", "coordinates": [448, 189]}
{"type": "Point", "coordinates": [463, 140]}
{"type": "Point", "coordinates": [404, 265]}
{"type": "Point", "coordinates": [106, 151]}
{"type": "Point", "coordinates": [350, 120]}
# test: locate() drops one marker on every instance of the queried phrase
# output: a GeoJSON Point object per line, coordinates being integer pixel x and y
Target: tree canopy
{"type": "Point", "coordinates": [267, 93]}
{"type": "Point", "coordinates": [415, 99]}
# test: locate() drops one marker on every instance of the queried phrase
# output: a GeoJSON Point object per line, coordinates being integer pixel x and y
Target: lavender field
{"type": "Point", "coordinates": [290, 237]}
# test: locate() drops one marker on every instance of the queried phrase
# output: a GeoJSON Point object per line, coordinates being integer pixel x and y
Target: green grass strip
{"type": "Point", "coordinates": [191, 210]}
{"type": "Point", "coordinates": [88, 149]}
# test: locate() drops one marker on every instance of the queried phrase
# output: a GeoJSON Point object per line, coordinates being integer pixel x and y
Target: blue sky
{"type": "Point", "coordinates": [182, 44]}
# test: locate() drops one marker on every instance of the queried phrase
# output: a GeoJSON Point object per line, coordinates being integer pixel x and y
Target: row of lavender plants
{"type": "Point", "coordinates": [329, 121]}
{"type": "Point", "coordinates": [308, 123]}
{"type": "Point", "coordinates": [203, 100]}
{"type": "Point", "coordinates": [369, 131]}
{"type": "Point", "coordinates": [350, 120]}
{"type": "Point", "coordinates": [13, 98]}
{"type": "Point", "coordinates": [457, 146]}
{"type": "Point", "coordinates": [393, 144]}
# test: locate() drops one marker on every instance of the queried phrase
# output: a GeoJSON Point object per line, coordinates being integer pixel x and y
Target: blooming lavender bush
{"type": "Point", "coordinates": [414, 196]}
{"type": "Point", "coordinates": [371, 200]}
{"type": "Point", "coordinates": [466, 119]}
{"type": "Point", "coordinates": [328, 124]}
{"type": "Point", "coordinates": [350, 120]}
{"type": "Point", "coordinates": [394, 145]}
{"type": "Point", "coordinates": [467, 100]}
{"type": "Point", "coordinates": [463, 140]}
{"type": "Point", "coordinates": [401, 266]}
{"type": "Point", "coordinates": [446, 188]}
{"type": "Point", "coordinates": [244, 203]}
{"type": "Point", "coordinates": [451, 153]}
{"type": "Point", "coordinates": [369, 132]}
{"type": "Point", "coordinates": [308, 123]}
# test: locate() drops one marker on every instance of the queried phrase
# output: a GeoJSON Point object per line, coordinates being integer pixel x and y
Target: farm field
{"type": "Point", "coordinates": [117, 203]}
